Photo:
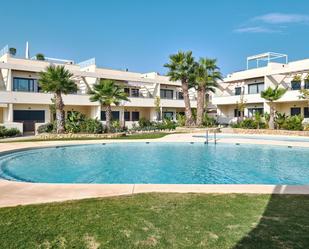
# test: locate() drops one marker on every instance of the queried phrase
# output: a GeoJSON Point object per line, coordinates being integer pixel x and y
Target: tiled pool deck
{"type": "Point", "coordinates": [21, 193]}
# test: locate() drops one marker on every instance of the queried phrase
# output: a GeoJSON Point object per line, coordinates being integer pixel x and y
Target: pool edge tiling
{"type": "Point", "coordinates": [21, 193]}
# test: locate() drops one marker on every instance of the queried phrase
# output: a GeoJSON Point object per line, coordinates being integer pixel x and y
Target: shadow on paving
{"type": "Point", "coordinates": [284, 223]}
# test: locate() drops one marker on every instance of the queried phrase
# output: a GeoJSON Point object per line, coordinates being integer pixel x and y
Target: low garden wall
{"type": "Point", "coordinates": [195, 130]}
{"type": "Point", "coordinates": [49, 136]}
{"type": "Point", "coordinates": [266, 132]}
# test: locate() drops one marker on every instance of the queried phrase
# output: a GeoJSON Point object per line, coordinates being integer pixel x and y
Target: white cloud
{"type": "Point", "coordinates": [272, 23]}
{"type": "Point", "coordinates": [280, 18]}
{"type": "Point", "coordinates": [256, 29]}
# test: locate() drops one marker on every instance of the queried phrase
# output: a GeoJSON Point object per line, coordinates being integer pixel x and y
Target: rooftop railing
{"type": "Point", "coordinates": [87, 63]}
{"type": "Point", "coordinates": [4, 50]}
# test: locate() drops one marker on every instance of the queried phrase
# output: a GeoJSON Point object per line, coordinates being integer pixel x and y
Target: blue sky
{"type": "Point", "coordinates": [139, 34]}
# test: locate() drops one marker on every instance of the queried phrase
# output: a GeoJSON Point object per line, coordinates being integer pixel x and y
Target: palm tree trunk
{"type": "Point", "coordinates": [271, 117]}
{"type": "Point", "coordinates": [200, 106]}
{"type": "Point", "coordinates": [188, 111]}
{"type": "Point", "coordinates": [59, 113]}
{"type": "Point", "coordinates": [108, 112]}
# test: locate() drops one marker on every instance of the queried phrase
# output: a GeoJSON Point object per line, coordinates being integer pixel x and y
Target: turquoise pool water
{"type": "Point", "coordinates": [179, 163]}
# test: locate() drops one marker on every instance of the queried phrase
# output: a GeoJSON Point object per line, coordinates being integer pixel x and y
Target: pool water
{"type": "Point", "coordinates": [177, 163]}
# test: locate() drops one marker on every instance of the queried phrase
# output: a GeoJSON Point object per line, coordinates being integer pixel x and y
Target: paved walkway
{"type": "Point", "coordinates": [20, 193]}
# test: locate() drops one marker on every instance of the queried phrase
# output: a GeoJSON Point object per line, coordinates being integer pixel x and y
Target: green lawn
{"type": "Point", "coordinates": [133, 136]}
{"type": "Point", "coordinates": [161, 221]}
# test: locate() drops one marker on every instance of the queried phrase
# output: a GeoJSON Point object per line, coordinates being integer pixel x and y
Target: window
{"type": "Point", "coordinates": [252, 111]}
{"type": "Point", "coordinates": [295, 111]}
{"type": "Point", "coordinates": [306, 112]}
{"type": "Point", "coordinates": [237, 90]}
{"type": "Point", "coordinates": [295, 85]}
{"type": "Point", "coordinates": [135, 116]}
{"type": "Point", "coordinates": [166, 94]}
{"type": "Point", "coordinates": [180, 95]}
{"type": "Point", "coordinates": [237, 113]}
{"type": "Point", "coordinates": [127, 91]}
{"type": "Point", "coordinates": [25, 115]}
{"type": "Point", "coordinates": [115, 115]}
{"type": "Point", "coordinates": [135, 92]}
{"type": "Point", "coordinates": [168, 115]}
{"type": "Point", "coordinates": [255, 88]}
{"type": "Point", "coordinates": [25, 85]}
{"type": "Point", "coordinates": [306, 86]}
{"type": "Point", "coordinates": [103, 115]}
{"type": "Point", "coordinates": [126, 116]}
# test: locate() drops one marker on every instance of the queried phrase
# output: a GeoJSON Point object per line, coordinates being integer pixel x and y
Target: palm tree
{"type": "Point", "coordinates": [57, 80]}
{"type": "Point", "coordinates": [272, 95]}
{"type": "Point", "coordinates": [207, 76]}
{"type": "Point", "coordinates": [108, 93]}
{"type": "Point", "coordinates": [182, 67]}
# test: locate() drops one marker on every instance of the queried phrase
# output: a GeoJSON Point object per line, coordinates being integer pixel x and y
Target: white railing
{"type": "Point", "coordinates": [87, 63]}
{"type": "Point", "coordinates": [60, 61]}
{"type": "Point", "coordinates": [4, 50]}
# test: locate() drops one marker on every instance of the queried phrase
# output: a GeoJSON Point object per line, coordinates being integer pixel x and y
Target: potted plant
{"type": "Point", "coordinates": [40, 57]}
{"type": "Point", "coordinates": [12, 51]}
{"type": "Point", "coordinates": [296, 82]}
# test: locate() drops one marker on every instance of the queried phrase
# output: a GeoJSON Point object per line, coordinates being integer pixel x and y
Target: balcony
{"type": "Point", "coordinates": [81, 99]}
{"type": "Point", "coordinates": [43, 98]}
{"type": "Point", "coordinates": [230, 100]}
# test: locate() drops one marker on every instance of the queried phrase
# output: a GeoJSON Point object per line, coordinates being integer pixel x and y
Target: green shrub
{"type": "Point", "coordinates": [167, 124]}
{"type": "Point", "coordinates": [74, 121]}
{"type": "Point", "coordinates": [280, 119]}
{"type": "Point", "coordinates": [209, 121]}
{"type": "Point", "coordinates": [143, 122]}
{"type": "Point", "coordinates": [181, 119]}
{"type": "Point", "coordinates": [11, 132]}
{"type": "Point", "coordinates": [293, 123]}
{"type": "Point", "coordinates": [90, 125]}
{"type": "Point", "coordinates": [248, 124]}
{"type": "Point", "coordinates": [49, 127]}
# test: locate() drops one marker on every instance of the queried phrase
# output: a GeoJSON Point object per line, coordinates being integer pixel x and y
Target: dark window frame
{"type": "Point", "coordinates": [295, 85]}
{"type": "Point", "coordinates": [135, 92]}
{"type": "Point", "coordinates": [163, 93]}
{"type": "Point", "coordinates": [135, 116]}
{"type": "Point", "coordinates": [32, 84]}
{"type": "Point", "coordinates": [238, 90]}
{"type": "Point", "coordinates": [306, 112]}
{"type": "Point", "coordinates": [167, 112]}
{"type": "Point", "coordinates": [258, 90]}
{"type": "Point", "coordinates": [237, 113]}
{"type": "Point", "coordinates": [115, 117]}
{"type": "Point", "coordinates": [180, 95]}
{"type": "Point", "coordinates": [293, 109]}
{"type": "Point", "coordinates": [29, 115]}
{"type": "Point", "coordinates": [127, 116]}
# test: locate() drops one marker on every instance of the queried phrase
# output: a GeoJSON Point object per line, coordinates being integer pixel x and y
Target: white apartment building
{"type": "Point", "coordinates": [249, 84]}
{"type": "Point", "coordinates": [25, 106]}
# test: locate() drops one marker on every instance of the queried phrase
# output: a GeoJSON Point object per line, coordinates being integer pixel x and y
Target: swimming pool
{"type": "Point", "coordinates": [177, 163]}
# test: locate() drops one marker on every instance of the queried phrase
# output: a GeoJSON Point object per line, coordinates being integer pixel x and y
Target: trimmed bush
{"type": "Point", "coordinates": [12, 132]}
{"type": "Point", "coordinates": [293, 123]}
{"type": "Point", "coordinates": [92, 126]}
{"type": "Point", "coordinates": [248, 124]}
{"type": "Point", "coordinates": [143, 122]}
{"type": "Point", "coordinates": [181, 119]}
{"type": "Point", "coordinates": [46, 128]}
{"type": "Point", "coordinates": [209, 121]}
